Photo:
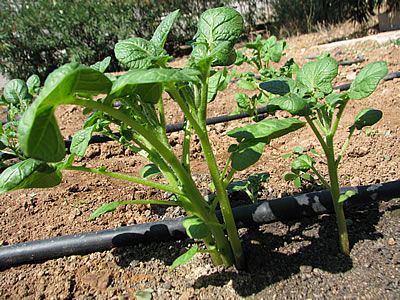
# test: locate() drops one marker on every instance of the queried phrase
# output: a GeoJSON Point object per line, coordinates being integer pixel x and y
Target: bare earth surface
{"type": "Point", "coordinates": [297, 260]}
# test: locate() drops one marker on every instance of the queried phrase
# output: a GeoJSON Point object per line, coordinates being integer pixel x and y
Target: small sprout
{"type": "Point", "coordinates": [145, 294]}
{"type": "Point", "coordinates": [346, 195]}
{"type": "Point", "coordinates": [184, 258]}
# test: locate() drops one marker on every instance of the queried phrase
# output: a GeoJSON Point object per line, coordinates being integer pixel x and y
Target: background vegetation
{"type": "Point", "coordinates": [38, 36]}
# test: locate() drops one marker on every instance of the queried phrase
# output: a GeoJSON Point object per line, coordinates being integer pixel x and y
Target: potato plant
{"type": "Point", "coordinates": [259, 54]}
{"type": "Point", "coordinates": [140, 117]}
{"type": "Point", "coordinates": [311, 96]}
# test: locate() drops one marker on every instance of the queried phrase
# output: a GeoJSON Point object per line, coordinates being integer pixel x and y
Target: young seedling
{"type": "Point", "coordinates": [141, 120]}
{"type": "Point", "coordinates": [302, 167]}
{"type": "Point", "coordinates": [259, 54]}
{"type": "Point", "coordinates": [311, 96]}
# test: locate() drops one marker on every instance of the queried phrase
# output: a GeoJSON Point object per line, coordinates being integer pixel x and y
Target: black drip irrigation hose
{"type": "Point", "coordinates": [283, 209]}
{"type": "Point", "coordinates": [342, 62]}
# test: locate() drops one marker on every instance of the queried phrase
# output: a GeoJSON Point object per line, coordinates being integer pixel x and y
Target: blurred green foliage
{"type": "Point", "coordinates": [38, 36]}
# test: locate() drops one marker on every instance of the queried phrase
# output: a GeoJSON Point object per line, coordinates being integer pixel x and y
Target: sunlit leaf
{"type": "Point", "coordinates": [15, 91]}
{"type": "Point", "coordinates": [138, 53]}
{"type": "Point", "coordinates": [38, 133]}
{"type": "Point", "coordinates": [318, 75]}
{"type": "Point", "coordinates": [346, 195]}
{"type": "Point", "coordinates": [367, 80]}
{"type": "Point", "coordinates": [29, 173]}
{"type": "Point", "coordinates": [185, 257]}
{"type": "Point", "coordinates": [161, 33]}
{"type": "Point", "coordinates": [195, 227]}
{"type": "Point", "coordinates": [303, 162]}
{"type": "Point", "coordinates": [80, 141]}
{"type": "Point", "coordinates": [102, 65]}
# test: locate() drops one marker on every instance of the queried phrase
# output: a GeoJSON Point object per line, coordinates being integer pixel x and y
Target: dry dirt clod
{"type": "Point", "coordinates": [391, 241]}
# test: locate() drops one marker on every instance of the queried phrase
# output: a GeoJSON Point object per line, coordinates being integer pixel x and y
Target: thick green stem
{"type": "Point", "coordinates": [223, 199]}
{"type": "Point", "coordinates": [335, 192]}
{"type": "Point", "coordinates": [221, 193]}
{"type": "Point", "coordinates": [195, 200]}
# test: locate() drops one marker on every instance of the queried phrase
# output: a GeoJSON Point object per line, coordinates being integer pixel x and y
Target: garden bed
{"type": "Point", "coordinates": [285, 260]}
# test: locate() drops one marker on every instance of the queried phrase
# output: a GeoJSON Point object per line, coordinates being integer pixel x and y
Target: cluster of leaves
{"type": "Point", "coordinates": [140, 118]}
{"type": "Point", "coordinates": [311, 96]}
{"type": "Point", "coordinates": [16, 98]}
{"type": "Point", "coordinates": [302, 167]}
{"type": "Point", "coordinates": [259, 54]}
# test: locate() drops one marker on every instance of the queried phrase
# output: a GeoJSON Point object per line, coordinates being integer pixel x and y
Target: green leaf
{"type": "Point", "coordinates": [15, 91]}
{"type": "Point", "coordinates": [242, 100]}
{"type": "Point", "coordinates": [307, 177]}
{"type": "Point", "coordinates": [145, 294]}
{"type": "Point", "coordinates": [278, 86]}
{"type": "Point", "coordinates": [277, 51]}
{"type": "Point", "coordinates": [256, 45]}
{"type": "Point", "coordinates": [298, 150]}
{"type": "Point", "coordinates": [80, 141]}
{"type": "Point", "coordinates": [106, 208]}
{"type": "Point", "coordinates": [265, 130]}
{"type": "Point", "coordinates": [184, 258]}
{"type": "Point", "coordinates": [217, 82]}
{"type": "Point", "coordinates": [303, 163]}
{"type": "Point", "coordinates": [334, 99]}
{"type": "Point", "coordinates": [195, 227]}
{"type": "Point", "coordinates": [161, 33]}
{"type": "Point", "coordinates": [29, 173]}
{"type": "Point", "coordinates": [251, 186]}
{"type": "Point", "coordinates": [246, 155]}
{"type": "Point", "coordinates": [127, 84]}
{"type": "Point", "coordinates": [33, 84]}
{"type": "Point", "coordinates": [367, 80]}
{"type": "Point", "coordinates": [149, 170]}
{"type": "Point", "coordinates": [290, 176]}
{"type": "Point", "coordinates": [367, 117]}
{"type": "Point", "coordinates": [318, 75]}
{"type": "Point", "coordinates": [346, 195]}
{"type": "Point", "coordinates": [291, 103]}
{"type": "Point", "coordinates": [101, 66]}
{"type": "Point", "coordinates": [218, 28]}
{"type": "Point", "coordinates": [256, 179]}
{"type": "Point", "coordinates": [247, 84]}
{"type": "Point", "coordinates": [38, 133]}
{"type": "Point", "coordinates": [149, 92]}
{"type": "Point", "coordinates": [297, 182]}
{"type": "Point", "coordinates": [219, 24]}
{"type": "Point", "coordinates": [138, 53]}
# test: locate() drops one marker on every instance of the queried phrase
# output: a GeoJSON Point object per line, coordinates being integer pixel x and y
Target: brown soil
{"type": "Point", "coordinates": [285, 260]}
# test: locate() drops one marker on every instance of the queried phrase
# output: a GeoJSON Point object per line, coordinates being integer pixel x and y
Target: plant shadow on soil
{"type": "Point", "coordinates": [275, 251]}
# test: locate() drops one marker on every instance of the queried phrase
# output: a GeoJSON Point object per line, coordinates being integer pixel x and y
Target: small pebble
{"type": "Point", "coordinates": [391, 242]}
